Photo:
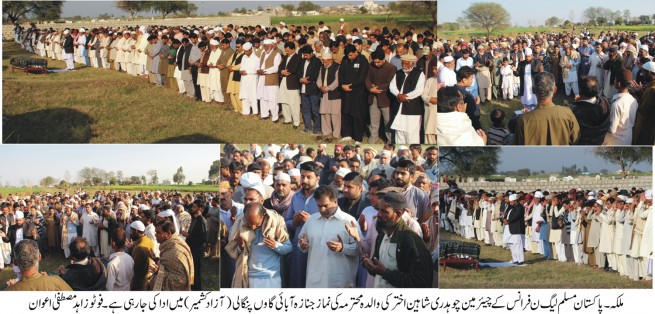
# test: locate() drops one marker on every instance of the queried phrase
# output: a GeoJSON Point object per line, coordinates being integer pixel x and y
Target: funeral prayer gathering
{"type": "Point", "coordinates": [338, 84]}
{"type": "Point", "coordinates": [607, 229]}
{"type": "Point", "coordinates": [108, 240]}
{"type": "Point", "coordinates": [300, 216]}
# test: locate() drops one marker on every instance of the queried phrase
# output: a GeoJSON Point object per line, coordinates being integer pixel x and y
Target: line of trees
{"type": "Point", "coordinates": [163, 8]}
{"type": "Point", "coordinates": [37, 10]}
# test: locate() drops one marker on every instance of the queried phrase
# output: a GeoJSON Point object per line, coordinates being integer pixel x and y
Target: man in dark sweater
{"type": "Point", "coordinates": [592, 112]}
{"type": "Point", "coordinates": [85, 272]}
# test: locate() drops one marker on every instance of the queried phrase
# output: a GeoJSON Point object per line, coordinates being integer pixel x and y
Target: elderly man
{"type": "Point", "coordinates": [248, 85]}
{"type": "Point", "coordinates": [407, 85]}
{"type": "Point", "coordinates": [27, 258]}
{"type": "Point", "coordinates": [332, 254]}
{"type": "Point", "coordinates": [68, 51]}
{"type": "Point", "coordinates": [85, 272]}
{"type": "Point", "coordinates": [447, 74]}
{"type": "Point", "coordinates": [330, 108]}
{"type": "Point", "coordinates": [592, 112]}
{"type": "Point", "coordinates": [484, 61]}
{"type": "Point", "coordinates": [280, 200]}
{"type": "Point", "coordinates": [174, 271]}
{"type": "Point", "coordinates": [268, 83]}
{"type": "Point", "coordinates": [526, 71]}
{"type": "Point", "coordinates": [258, 240]}
{"type": "Point", "coordinates": [548, 124]}
{"type": "Point", "coordinates": [215, 89]}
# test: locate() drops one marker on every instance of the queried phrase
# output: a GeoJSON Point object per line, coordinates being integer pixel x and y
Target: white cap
{"type": "Point", "coordinates": [247, 46]}
{"type": "Point", "coordinates": [142, 29]}
{"type": "Point", "coordinates": [649, 66]}
{"type": "Point", "coordinates": [135, 207]}
{"type": "Point", "coordinates": [538, 194]}
{"type": "Point", "coordinates": [282, 23]}
{"type": "Point", "coordinates": [250, 179]}
{"type": "Point", "coordinates": [623, 198]}
{"type": "Point", "coordinates": [214, 42]}
{"type": "Point", "coordinates": [295, 172]}
{"type": "Point", "coordinates": [211, 31]}
{"type": "Point", "coordinates": [447, 59]}
{"type": "Point", "coordinates": [349, 37]}
{"type": "Point", "coordinates": [591, 193]}
{"type": "Point", "coordinates": [643, 47]}
{"type": "Point", "coordinates": [283, 177]}
{"type": "Point", "coordinates": [326, 55]}
{"type": "Point", "coordinates": [268, 41]}
{"type": "Point", "coordinates": [66, 32]}
{"type": "Point", "coordinates": [599, 202]}
{"type": "Point", "coordinates": [19, 215]}
{"type": "Point", "coordinates": [402, 147]}
{"type": "Point", "coordinates": [590, 198]}
{"type": "Point", "coordinates": [82, 30]}
{"type": "Point", "coordinates": [649, 194]}
{"type": "Point", "coordinates": [513, 197]}
{"type": "Point", "coordinates": [342, 172]}
{"type": "Point", "coordinates": [528, 51]}
{"type": "Point", "coordinates": [623, 44]}
{"type": "Point", "coordinates": [341, 20]}
{"type": "Point", "coordinates": [629, 201]}
{"type": "Point", "coordinates": [138, 225]}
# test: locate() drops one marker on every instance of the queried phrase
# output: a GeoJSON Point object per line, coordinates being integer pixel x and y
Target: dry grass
{"type": "Point", "coordinates": [99, 106]}
{"type": "Point", "coordinates": [538, 274]}
{"type": "Point", "coordinates": [509, 106]}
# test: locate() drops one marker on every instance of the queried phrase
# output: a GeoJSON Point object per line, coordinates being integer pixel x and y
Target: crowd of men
{"type": "Point", "coordinates": [611, 230]}
{"type": "Point", "coordinates": [342, 84]}
{"type": "Point", "coordinates": [109, 241]}
{"type": "Point", "coordinates": [609, 77]}
{"type": "Point", "coordinates": [299, 217]}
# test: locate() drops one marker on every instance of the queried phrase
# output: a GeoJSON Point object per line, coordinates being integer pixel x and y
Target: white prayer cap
{"type": "Point", "coordinates": [528, 51]}
{"type": "Point", "coordinates": [133, 32]}
{"type": "Point", "coordinates": [259, 188]}
{"type": "Point", "coordinates": [158, 33]}
{"type": "Point", "coordinates": [448, 59]}
{"type": "Point", "coordinates": [282, 23]}
{"type": "Point", "coordinates": [649, 66]}
{"type": "Point", "coordinates": [342, 172]}
{"type": "Point", "coordinates": [247, 46]}
{"type": "Point", "coordinates": [538, 194]}
{"type": "Point", "coordinates": [295, 172]}
{"type": "Point", "coordinates": [142, 29]}
{"type": "Point", "coordinates": [214, 42]}
{"type": "Point", "coordinates": [349, 37]}
{"type": "Point", "coordinates": [513, 197]}
{"type": "Point", "coordinates": [591, 193]}
{"type": "Point", "coordinates": [210, 32]}
{"type": "Point", "coordinates": [623, 198]}
{"type": "Point", "coordinates": [165, 31]}
{"type": "Point", "coordinates": [205, 28]}
{"type": "Point", "coordinates": [408, 57]}
{"type": "Point", "coordinates": [623, 44]}
{"type": "Point", "coordinates": [649, 194]}
{"type": "Point", "coordinates": [303, 159]}
{"type": "Point", "coordinates": [590, 198]}
{"type": "Point", "coordinates": [66, 31]}
{"type": "Point", "coordinates": [643, 47]}
{"type": "Point", "coordinates": [19, 215]}
{"type": "Point", "coordinates": [166, 213]}
{"type": "Point", "coordinates": [341, 20]}
{"type": "Point", "coordinates": [365, 36]}
{"type": "Point", "coordinates": [629, 201]}
{"type": "Point", "coordinates": [143, 207]}
{"type": "Point", "coordinates": [250, 179]}
{"type": "Point", "coordinates": [82, 30]}
{"type": "Point", "coordinates": [283, 177]}
{"type": "Point", "coordinates": [326, 55]}
{"type": "Point", "coordinates": [402, 147]}
{"type": "Point", "coordinates": [196, 32]}
{"type": "Point", "coordinates": [268, 41]}
{"type": "Point", "coordinates": [135, 207]}
{"type": "Point", "coordinates": [138, 225]}
{"type": "Point", "coordinates": [216, 29]}
{"type": "Point", "coordinates": [364, 31]}
{"type": "Point", "coordinates": [599, 202]}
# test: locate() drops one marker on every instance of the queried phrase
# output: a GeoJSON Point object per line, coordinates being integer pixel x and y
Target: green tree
{"type": "Point", "coordinates": [133, 7]}
{"type": "Point", "coordinates": [553, 21]}
{"type": "Point", "coordinates": [41, 10]}
{"type": "Point", "coordinates": [525, 172]}
{"type": "Point", "coordinates": [363, 10]}
{"type": "Point", "coordinates": [625, 157]}
{"type": "Point", "coordinates": [47, 181]}
{"type": "Point", "coordinates": [288, 8]}
{"type": "Point", "coordinates": [487, 15]}
{"type": "Point", "coordinates": [645, 19]}
{"type": "Point", "coordinates": [190, 9]}
{"type": "Point", "coordinates": [215, 170]}
{"type": "Point", "coordinates": [619, 21]}
{"type": "Point", "coordinates": [469, 161]}
{"type": "Point", "coordinates": [165, 8]}
{"type": "Point", "coordinates": [63, 184]}
{"type": "Point", "coordinates": [567, 24]}
{"type": "Point", "coordinates": [305, 6]}
{"type": "Point", "coordinates": [179, 176]}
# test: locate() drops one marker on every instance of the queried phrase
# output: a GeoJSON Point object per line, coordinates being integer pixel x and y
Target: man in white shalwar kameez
{"type": "Point", "coordinates": [141, 56]}
{"type": "Point", "coordinates": [248, 86]}
{"type": "Point", "coordinates": [214, 72]}
{"type": "Point", "coordinates": [90, 222]}
{"type": "Point", "coordinates": [333, 258]}
{"type": "Point", "coordinates": [81, 48]}
{"type": "Point", "coordinates": [513, 217]}
{"type": "Point", "coordinates": [119, 62]}
{"type": "Point", "coordinates": [267, 71]}
{"type": "Point", "coordinates": [71, 221]}
{"type": "Point", "coordinates": [407, 122]}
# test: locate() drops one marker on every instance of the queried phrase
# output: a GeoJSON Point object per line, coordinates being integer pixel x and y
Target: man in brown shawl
{"type": "Point", "coordinates": [174, 270]}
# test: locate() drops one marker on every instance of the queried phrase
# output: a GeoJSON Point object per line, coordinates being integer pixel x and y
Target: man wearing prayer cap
{"type": "Point", "coordinates": [526, 70]}
{"type": "Point", "coordinates": [280, 199]}
{"type": "Point", "coordinates": [644, 129]}
{"type": "Point", "coordinates": [330, 108]}
{"type": "Point", "coordinates": [68, 50]}
{"type": "Point", "coordinates": [248, 85]}
{"type": "Point", "coordinates": [447, 74]}
{"type": "Point", "coordinates": [22, 229]}
{"type": "Point", "coordinates": [514, 229]}
{"type": "Point", "coordinates": [407, 85]}
{"type": "Point", "coordinates": [269, 81]}
{"type": "Point", "coordinates": [251, 180]}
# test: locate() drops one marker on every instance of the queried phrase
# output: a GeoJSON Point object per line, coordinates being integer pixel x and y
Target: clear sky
{"type": "Point", "coordinates": [35, 162]}
{"type": "Point", "coordinates": [94, 8]}
{"type": "Point", "coordinates": [523, 11]}
{"type": "Point", "coordinates": [553, 158]}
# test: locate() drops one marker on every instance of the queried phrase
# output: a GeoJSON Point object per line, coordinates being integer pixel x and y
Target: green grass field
{"type": "Point", "coordinates": [538, 274]}
{"type": "Point", "coordinates": [92, 189]}
{"type": "Point", "coordinates": [210, 271]}
{"type": "Point", "coordinates": [99, 106]}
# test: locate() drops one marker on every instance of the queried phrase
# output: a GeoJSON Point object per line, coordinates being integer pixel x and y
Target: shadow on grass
{"type": "Point", "coordinates": [191, 138]}
{"type": "Point", "coordinates": [61, 125]}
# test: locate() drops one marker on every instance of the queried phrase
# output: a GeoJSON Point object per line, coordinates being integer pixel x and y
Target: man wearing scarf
{"type": "Point", "coordinates": [174, 271]}
{"type": "Point", "coordinates": [281, 198]}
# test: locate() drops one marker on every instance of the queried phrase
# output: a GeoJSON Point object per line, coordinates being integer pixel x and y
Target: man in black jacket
{"type": "Point", "coordinates": [401, 259]}
{"type": "Point", "coordinates": [196, 237]}
{"type": "Point", "coordinates": [592, 112]}
{"type": "Point", "coordinates": [68, 51]}
{"type": "Point", "coordinates": [309, 92]}
{"type": "Point", "coordinates": [352, 78]}
{"type": "Point", "coordinates": [21, 230]}
{"type": "Point", "coordinates": [289, 85]}
{"type": "Point", "coordinates": [514, 229]}
{"type": "Point", "coordinates": [85, 272]}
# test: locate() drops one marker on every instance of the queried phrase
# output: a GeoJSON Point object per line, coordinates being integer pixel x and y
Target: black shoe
{"type": "Point", "coordinates": [295, 127]}
{"type": "Point", "coordinates": [519, 263]}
